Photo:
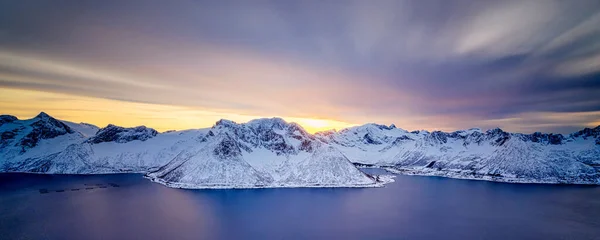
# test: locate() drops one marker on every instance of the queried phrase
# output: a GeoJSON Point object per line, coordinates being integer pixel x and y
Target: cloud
{"type": "Point", "coordinates": [587, 28]}
{"type": "Point", "coordinates": [26, 104]}
{"type": "Point", "coordinates": [547, 121]}
{"type": "Point", "coordinates": [34, 66]}
{"type": "Point", "coordinates": [580, 66]}
{"type": "Point", "coordinates": [257, 85]}
{"type": "Point", "coordinates": [508, 28]}
{"type": "Point", "coordinates": [419, 64]}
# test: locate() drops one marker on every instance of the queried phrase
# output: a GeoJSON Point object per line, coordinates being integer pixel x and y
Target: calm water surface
{"type": "Point", "coordinates": [126, 206]}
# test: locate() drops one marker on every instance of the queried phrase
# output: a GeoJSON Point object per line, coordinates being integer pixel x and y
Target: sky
{"type": "Point", "coordinates": [523, 66]}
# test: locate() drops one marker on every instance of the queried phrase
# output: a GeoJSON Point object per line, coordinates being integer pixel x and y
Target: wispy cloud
{"type": "Point", "coordinates": [419, 64]}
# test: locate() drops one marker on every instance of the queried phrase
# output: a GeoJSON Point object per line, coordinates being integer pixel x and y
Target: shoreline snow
{"type": "Point", "coordinates": [487, 178]}
{"type": "Point", "coordinates": [384, 179]}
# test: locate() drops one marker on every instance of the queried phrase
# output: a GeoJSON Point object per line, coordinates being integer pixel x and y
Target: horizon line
{"type": "Point", "coordinates": [391, 126]}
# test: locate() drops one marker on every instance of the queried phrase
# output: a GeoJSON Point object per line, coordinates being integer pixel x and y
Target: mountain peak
{"type": "Point", "coordinates": [113, 133]}
{"type": "Point", "coordinates": [381, 126]}
{"type": "Point", "coordinates": [495, 131]}
{"type": "Point", "coordinates": [41, 127]}
{"type": "Point", "coordinates": [372, 126]}
{"type": "Point", "coordinates": [11, 117]}
{"type": "Point", "coordinates": [43, 115]}
{"type": "Point", "coordinates": [225, 123]}
{"type": "Point", "coordinates": [474, 130]}
{"type": "Point", "coordinates": [7, 118]}
{"type": "Point", "coordinates": [260, 123]}
{"type": "Point", "coordinates": [268, 123]}
{"type": "Point", "coordinates": [587, 132]}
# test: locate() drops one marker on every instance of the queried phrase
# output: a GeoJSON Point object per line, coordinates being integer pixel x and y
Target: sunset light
{"type": "Point", "coordinates": [299, 119]}
{"type": "Point", "coordinates": [101, 112]}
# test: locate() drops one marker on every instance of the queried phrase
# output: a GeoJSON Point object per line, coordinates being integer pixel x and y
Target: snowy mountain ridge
{"type": "Point", "coordinates": [274, 153]}
{"type": "Point", "coordinates": [493, 155]}
{"type": "Point", "coordinates": [260, 153]}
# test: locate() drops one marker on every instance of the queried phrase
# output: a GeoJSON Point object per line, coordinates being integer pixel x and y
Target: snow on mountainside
{"type": "Point", "coordinates": [32, 138]}
{"type": "Point", "coordinates": [86, 129]}
{"type": "Point", "coordinates": [261, 153]}
{"type": "Point", "coordinates": [112, 133]}
{"type": "Point", "coordinates": [219, 164]}
{"type": "Point", "coordinates": [274, 153]}
{"type": "Point", "coordinates": [46, 145]}
{"type": "Point", "coordinates": [473, 154]}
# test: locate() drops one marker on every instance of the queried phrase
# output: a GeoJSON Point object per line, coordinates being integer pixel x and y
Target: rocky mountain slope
{"type": "Point", "coordinates": [46, 145]}
{"type": "Point", "coordinates": [474, 154]}
{"type": "Point", "coordinates": [274, 153]}
{"type": "Point", "coordinates": [260, 153]}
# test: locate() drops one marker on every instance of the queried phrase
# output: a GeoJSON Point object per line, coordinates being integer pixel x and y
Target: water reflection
{"type": "Point", "coordinates": [412, 208]}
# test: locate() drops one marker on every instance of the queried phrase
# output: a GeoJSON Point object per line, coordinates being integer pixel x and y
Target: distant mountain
{"type": "Point", "coordinates": [86, 129]}
{"type": "Point", "coordinates": [473, 154]}
{"type": "Point", "coordinates": [274, 153]}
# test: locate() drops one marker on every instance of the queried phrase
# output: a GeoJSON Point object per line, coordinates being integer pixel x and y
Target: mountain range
{"type": "Point", "coordinates": [493, 155]}
{"type": "Point", "coordinates": [274, 153]}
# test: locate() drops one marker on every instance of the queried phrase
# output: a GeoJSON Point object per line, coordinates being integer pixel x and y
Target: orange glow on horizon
{"type": "Point", "coordinates": [313, 125]}
{"type": "Point", "coordinates": [26, 104]}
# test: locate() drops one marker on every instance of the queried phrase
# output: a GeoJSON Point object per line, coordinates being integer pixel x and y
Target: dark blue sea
{"type": "Point", "coordinates": [127, 206]}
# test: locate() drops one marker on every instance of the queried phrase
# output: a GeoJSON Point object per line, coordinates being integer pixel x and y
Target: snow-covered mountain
{"type": "Point", "coordinates": [46, 145]}
{"type": "Point", "coordinates": [473, 154]}
{"type": "Point", "coordinates": [274, 153]}
{"type": "Point", "coordinates": [86, 129]}
{"type": "Point", "coordinates": [260, 153]}
{"type": "Point", "coordinates": [32, 139]}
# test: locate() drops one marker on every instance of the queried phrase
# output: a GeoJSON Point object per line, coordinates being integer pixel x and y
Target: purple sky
{"type": "Point", "coordinates": [451, 64]}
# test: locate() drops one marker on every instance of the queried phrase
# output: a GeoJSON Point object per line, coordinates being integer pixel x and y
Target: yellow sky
{"type": "Point", "coordinates": [26, 104]}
